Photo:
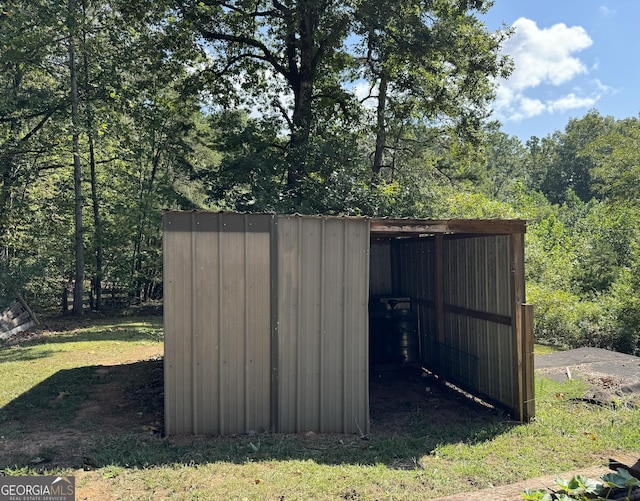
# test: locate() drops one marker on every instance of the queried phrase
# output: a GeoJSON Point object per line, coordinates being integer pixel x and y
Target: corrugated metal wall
{"type": "Point", "coordinates": [380, 283]}
{"type": "Point", "coordinates": [413, 262]}
{"type": "Point", "coordinates": [482, 352]}
{"type": "Point", "coordinates": [479, 351]}
{"type": "Point", "coordinates": [266, 323]}
{"type": "Point", "coordinates": [217, 323]}
{"type": "Point", "coordinates": [266, 319]}
{"type": "Point", "coordinates": [323, 291]}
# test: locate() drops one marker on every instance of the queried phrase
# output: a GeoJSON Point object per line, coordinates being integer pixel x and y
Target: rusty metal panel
{"type": "Point", "coordinates": [323, 279]}
{"type": "Point", "coordinates": [217, 323]}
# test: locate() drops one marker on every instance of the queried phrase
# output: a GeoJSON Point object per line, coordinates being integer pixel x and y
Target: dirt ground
{"type": "Point", "coordinates": [117, 400]}
{"type": "Point", "coordinates": [128, 399]}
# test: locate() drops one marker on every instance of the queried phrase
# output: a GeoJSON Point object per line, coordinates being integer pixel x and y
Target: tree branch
{"type": "Point", "coordinates": [255, 13]}
{"type": "Point", "coordinates": [39, 126]}
{"type": "Point", "coordinates": [266, 56]}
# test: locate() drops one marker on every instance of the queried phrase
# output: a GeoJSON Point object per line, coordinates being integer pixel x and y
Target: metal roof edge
{"type": "Point", "coordinates": [394, 227]}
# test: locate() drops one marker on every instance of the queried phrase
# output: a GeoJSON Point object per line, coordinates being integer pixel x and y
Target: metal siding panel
{"type": "Point", "coordinates": [178, 329]}
{"type": "Point", "coordinates": [221, 384]}
{"type": "Point", "coordinates": [357, 329]}
{"type": "Point", "coordinates": [333, 339]}
{"type": "Point", "coordinates": [504, 291]}
{"type": "Point", "coordinates": [380, 268]}
{"type": "Point", "coordinates": [244, 320]}
{"type": "Point", "coordinates": [232, 332]}
{"type": "Point", "coordinates": [477, 277]}
{"type": "Point", "coordinates": [257, 311]}
{"type": "Point", "coordinates": [207, 307]}
{"type": "Point", "coordinates": [288, 284]}
{"type": "Point", "coordinates": [323, 332]}
{"type": "Point", "coordinates": [311, 320]}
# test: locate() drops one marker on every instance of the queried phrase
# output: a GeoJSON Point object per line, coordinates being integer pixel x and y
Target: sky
{"type": "Point", "coordinates": [570, 56]}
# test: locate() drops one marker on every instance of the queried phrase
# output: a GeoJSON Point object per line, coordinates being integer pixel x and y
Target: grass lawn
{"type": "Point", "coordinates": [86, 400]}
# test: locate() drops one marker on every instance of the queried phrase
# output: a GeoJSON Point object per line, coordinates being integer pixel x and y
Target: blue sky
{"type": "Point", "coordinates": [570, 56]}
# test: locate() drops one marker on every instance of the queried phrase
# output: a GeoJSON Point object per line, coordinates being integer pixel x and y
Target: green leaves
{"type": "Point", "coordinates": [622, 479]}
{"type": "Point", "coordinates": [582, 488]}
{"type": "Point", "coordinates": [536, 495]}
{"type": "Point", "coordinates": [579, 485]}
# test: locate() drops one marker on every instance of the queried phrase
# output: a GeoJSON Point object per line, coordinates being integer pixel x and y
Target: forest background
{"type": "Point", "coordinates": [111, 111]}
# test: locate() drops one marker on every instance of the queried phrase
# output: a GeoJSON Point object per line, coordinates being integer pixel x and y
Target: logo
{"type": "Point", "coordinates": [37, 488]}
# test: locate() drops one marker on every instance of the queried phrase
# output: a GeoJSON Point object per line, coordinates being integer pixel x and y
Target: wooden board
{"type": "Point", "coordinates": [16, 318]}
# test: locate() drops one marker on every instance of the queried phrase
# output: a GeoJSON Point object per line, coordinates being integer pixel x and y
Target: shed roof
{"type": "Point", "coordinates": [382, 227]}
{"type": "Point", "coordinates": [399, 227]}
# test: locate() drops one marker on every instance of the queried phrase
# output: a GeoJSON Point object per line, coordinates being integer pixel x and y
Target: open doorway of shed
{"type": "Point", "coordinates": [403, 344]}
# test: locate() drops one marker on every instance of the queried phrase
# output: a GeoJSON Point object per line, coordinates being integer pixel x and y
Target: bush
{"type": "Point", "coordinates": [564, 319]}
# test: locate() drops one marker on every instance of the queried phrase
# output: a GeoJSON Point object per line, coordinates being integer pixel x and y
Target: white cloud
{"type": "Point", "coordinates": [606, 11]}
{"type": "Point", "coordinates": [363, 92]}
{"type": "Point", "coordinates": [570, 102]}
{"type": "Point", "coordinates": [542, 57]}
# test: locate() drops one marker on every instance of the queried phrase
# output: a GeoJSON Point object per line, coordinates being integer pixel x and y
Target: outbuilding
{"type": "Point", "coordinates": [267, 317]}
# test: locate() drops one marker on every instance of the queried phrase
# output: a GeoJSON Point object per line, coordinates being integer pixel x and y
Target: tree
{"type": "Point", "coordinates": [431, 63]}
{"type": "Point", "coordinates": [77, 166]}
{"type": "Point", "coordinates": [297, 60]}
{"type": "Point", "coordinates": [89, 105]}
{"type": "Point", "coordinates": [616, 161]}
{"type": "Point", "coordinates": [568, 168]}
{"type": "Point", "coordinates": [506, 164]}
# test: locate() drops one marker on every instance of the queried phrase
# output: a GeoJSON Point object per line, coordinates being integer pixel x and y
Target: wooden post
{"type": "Point", "coordinates": [528, 358]}
{"type": "Point", "coordinates": [516, 271]}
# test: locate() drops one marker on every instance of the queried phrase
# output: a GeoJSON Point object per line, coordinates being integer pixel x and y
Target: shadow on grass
{"type": "Point", "coordinates": [20, 354]}
{"type": "Point", "coordinates": [112, 416]}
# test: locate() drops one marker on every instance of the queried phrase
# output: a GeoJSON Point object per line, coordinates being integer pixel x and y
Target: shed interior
{"type": "Point", "coordinates": [448, 297]}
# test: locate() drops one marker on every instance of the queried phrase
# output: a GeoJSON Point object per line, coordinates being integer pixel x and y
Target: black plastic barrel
{"type": "Point", "coordinates": [404, 339]}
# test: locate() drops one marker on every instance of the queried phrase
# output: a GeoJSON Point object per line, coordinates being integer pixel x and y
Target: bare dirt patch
{"type": "Point", "coordinates": [396, 398]}
{"type": "Point", "coordinates": [77, 406]}
{"type": "Point", "coordinates": [127, 399]}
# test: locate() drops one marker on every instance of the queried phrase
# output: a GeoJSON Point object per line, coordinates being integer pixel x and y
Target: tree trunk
{"type": "Point", "coordinates": [97, 219]}
{"type": "Point", "coordinates": [146, 190]}
{"type": "Point", "coordinates": [303, 84]}
{"type": "Point", "coordinates": [77, 167]}
{"type": "Point", "coordinates": [381, 131]}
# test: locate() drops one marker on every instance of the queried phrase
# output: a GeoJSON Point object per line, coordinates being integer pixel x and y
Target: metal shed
{"type": "Point", "coordinates": [267, 323]}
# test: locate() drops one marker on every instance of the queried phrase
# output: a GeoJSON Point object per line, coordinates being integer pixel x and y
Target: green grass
{"type": "Point", "coordinates": [544, 349]}
{"type": "Point", "coordinates": [431, 455]}
{"type": "Point", "coordinates": [105, 341]}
